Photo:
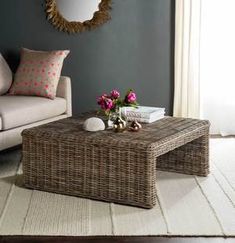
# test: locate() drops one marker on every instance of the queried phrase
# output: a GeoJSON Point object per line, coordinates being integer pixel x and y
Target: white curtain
{"type": "Point", "coordinates": [187, 58]}
{"type": "Point", "coordinates": [218, 65]}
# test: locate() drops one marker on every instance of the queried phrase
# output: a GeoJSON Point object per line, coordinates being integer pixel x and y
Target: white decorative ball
{"type": "Point", "coordinates": [94, 124]}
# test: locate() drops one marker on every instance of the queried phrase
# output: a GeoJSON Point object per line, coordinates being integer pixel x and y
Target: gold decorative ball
{"type": "Point", "coordinates": [135, 126]}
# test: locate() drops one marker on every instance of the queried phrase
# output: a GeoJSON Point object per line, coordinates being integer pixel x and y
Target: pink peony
{"type": "Point", "coordinates": [101, 99]}
{"type": "Point", "coordinates": [115, 94]}
{"type": "Point", "coordinates": [105, 102]}
{"type": "Point", "coordinates": [108, 104]}
{"type": "Point", "coordinates": [131, 97]}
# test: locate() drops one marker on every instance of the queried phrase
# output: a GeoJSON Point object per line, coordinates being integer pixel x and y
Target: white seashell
{"type": "Point", "coordinates": [94, 124]}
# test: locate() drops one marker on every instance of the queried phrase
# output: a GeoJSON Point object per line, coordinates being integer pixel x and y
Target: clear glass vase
{"type": "Point", "coordinates": [113, 117]}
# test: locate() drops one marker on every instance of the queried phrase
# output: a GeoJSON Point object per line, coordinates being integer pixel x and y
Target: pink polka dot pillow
{"type": "Point", "coordinates": [38, 73]}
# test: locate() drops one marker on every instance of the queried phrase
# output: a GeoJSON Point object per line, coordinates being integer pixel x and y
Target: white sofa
{"type": "Point", "coordinates": [20, 112]}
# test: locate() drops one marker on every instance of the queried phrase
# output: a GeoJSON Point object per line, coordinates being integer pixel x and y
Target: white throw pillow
{"type": "Point", "coordinates": [5, 76]}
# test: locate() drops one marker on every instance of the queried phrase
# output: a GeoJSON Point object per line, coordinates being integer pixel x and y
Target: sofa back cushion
{"type": "Point", "coordinates": [5, 76]}
{"type": "Point", "coordinates": [38, 73]}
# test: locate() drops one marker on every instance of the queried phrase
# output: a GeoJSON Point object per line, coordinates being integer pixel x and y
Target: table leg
{"type": "Point", "coordinates": [124, 175]}
{"type": "Point", "coordinates": [191, 158]}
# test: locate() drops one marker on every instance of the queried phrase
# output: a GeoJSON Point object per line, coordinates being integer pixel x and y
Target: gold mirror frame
{"type": "Point", "coordinates": [100, 17]}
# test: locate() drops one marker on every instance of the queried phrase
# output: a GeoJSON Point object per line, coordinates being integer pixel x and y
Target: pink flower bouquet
{"type": "Point", "coordinates": [112, 102]}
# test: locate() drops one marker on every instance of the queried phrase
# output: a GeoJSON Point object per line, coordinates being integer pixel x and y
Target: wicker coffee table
{"type": "Point", "coordinates": [115, 167]}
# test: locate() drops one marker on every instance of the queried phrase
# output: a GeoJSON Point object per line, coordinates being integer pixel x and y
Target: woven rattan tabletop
{"type": "Point", "coordinates": [157, 133]}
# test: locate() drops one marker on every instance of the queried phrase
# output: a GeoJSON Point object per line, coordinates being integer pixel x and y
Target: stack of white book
{"type": "Point", "coordinates": [145, 114]}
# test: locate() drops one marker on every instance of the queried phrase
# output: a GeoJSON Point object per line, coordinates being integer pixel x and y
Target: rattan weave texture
{"type": "Point", "coordinates": [116, 167]}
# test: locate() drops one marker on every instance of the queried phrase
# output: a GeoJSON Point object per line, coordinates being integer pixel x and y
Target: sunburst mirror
{"type": "Point", "coordinates": [74, 16]}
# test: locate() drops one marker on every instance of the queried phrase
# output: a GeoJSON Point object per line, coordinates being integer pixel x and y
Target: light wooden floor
{"type": "Point", "coordinates": [19, 239]}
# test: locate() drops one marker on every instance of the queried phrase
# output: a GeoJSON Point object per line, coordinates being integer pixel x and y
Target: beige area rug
{"type": "Point", "coordinates": [187, 205]}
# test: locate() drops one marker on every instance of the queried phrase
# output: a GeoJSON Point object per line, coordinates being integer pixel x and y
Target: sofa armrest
{"type": "Point", "coordinates": [64, 91]}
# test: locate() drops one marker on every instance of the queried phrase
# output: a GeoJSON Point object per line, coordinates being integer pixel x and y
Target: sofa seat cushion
{"type": "Point", "coordinates": [17, 111]}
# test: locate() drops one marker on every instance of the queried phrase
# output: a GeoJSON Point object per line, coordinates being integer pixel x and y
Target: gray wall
{"type": "Point", "coordinates": [133, 50]}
